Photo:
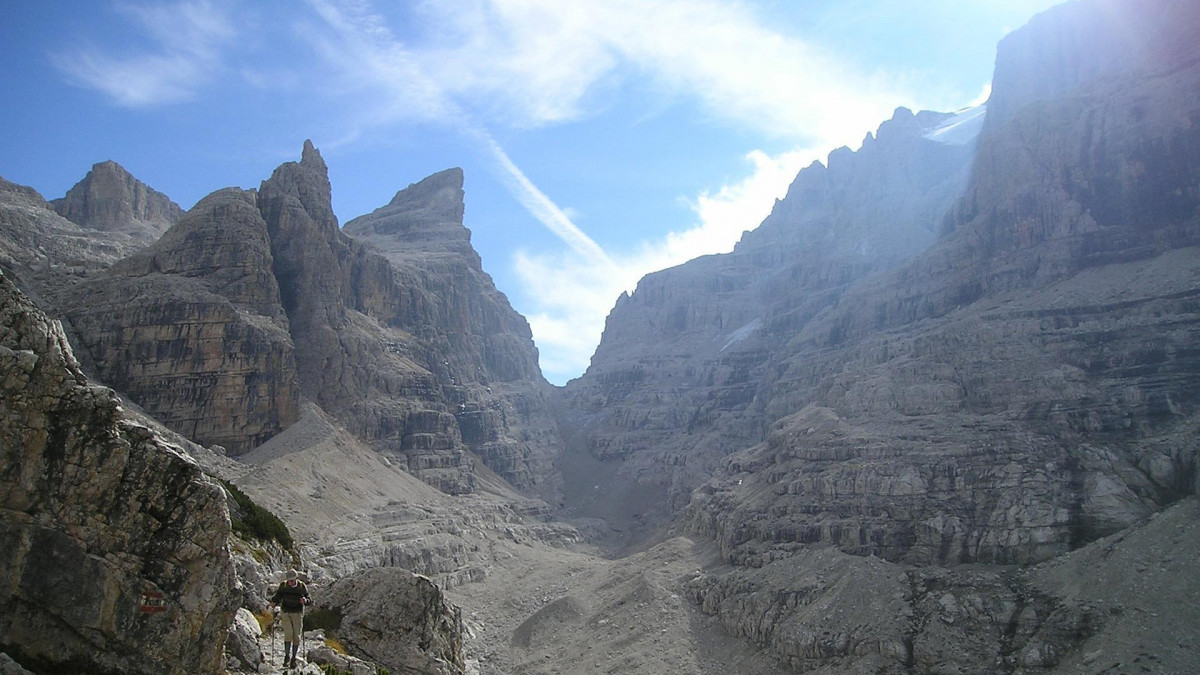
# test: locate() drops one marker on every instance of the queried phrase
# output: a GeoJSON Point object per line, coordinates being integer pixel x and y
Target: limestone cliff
{"type": "Point", "coordinates": [488, 362]}
{"type": "Point", "coordinates": [673, 386]}
{"type": "Point", "coordinates": [256, 299]}
{"type": "Point", "coordinates": [1021, 387]}
{"type": "Point", "coordinates": [398, 349]}
{"type": "Point", "coordinates": [109, 199]}
{"type": "Point", "coordinates": [192, 330]}
{"type": "Point", "coordinates": [113, 545]}
{"type": "Point", "coordinates": [43, 253]}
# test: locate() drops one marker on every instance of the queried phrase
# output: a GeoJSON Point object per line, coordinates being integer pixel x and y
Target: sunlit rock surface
{"type": "Point", "coordinates": [114, 547]}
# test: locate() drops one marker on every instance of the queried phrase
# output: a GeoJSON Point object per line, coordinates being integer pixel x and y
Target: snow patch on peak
{"type": "Point", "coordinates": [742, 333]}
{"type": "Point", "coordinates": [961, 128]}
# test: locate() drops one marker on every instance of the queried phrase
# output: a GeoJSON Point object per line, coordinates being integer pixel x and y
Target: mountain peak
{"type": "Point", "coordinates": [310, 156]}
{"type": "Point", "coordinates": [450, 180]}
{"type": "Point", "coordinates": [111, 199]}
{"type": "Point", "coordinates": [427, 214]}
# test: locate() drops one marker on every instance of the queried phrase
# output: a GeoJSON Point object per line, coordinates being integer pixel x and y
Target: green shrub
{"type": "Point", "coordinates": [322, 619]}
{"type": "Point", "coordinates": [254, 522]}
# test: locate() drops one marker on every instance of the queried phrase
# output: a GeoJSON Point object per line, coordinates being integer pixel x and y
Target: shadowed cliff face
{"type": "Point", "coordinates": [191, 328]}
{"type": "Point", "coordinates": [98, 513]}
{"type": "Point", "coordinates": [479, 347]}
{"type": "Point", "coordinates": [1024, 385]}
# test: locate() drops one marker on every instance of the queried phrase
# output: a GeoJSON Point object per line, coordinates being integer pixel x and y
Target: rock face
{"type": "Point", "coordinates": [1023, 386]}
{"type": "Point", "coordinates": [674, 385]}
{"type": "Point", "coordinates": [192, 330]}
{"type": "Point", "coordinates": [111, 200]}
{"type": "Point", "coordinates": [398, 619]}
{"type": "Point", "coordinates": [488, 361]}
{"type": "Point", "coordinates": [403, 351]}
{"type": "Point", "coordinates": [43, 253]}
{"type": "Point", "coordinates": [256, 299]}
{"type": "Point", "coordinates": [1088, 610]}
{"type": "Point", "coordinates": [115, 550]}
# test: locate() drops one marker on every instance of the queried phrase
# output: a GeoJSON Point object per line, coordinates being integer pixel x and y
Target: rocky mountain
{"type": "Point", "coordinates": [936, 414]}
{"type": "Point", "coordinates": [45, 253]}
{"type": "Point", "coordinates": [115, 545]}
{"type": "Point", "coordinates": [1022, 386]}
{"type": "Point", "coordinates": [110, 199]}
{"type": "Point", "coordinates": [675, 384]}
{"type": "Point", "coordinates": [256, 300]}
{"type": "Point", "coordinates": [191, 327]}
{"type": "Point", "coordinates": [488, 362]}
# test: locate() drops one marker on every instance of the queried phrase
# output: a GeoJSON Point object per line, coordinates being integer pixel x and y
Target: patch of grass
{"type": "Point", "coordinates": [254, 522]}
{"type": "Point", "coordinates": [265, 618]}
{"type": "Point", "coordinates": [335, 644]}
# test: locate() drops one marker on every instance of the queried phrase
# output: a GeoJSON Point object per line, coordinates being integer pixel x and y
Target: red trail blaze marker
{"type": "Point", "coordinates": [152, 602]}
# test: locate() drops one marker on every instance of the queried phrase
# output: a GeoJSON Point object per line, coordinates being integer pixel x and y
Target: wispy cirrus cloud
{"type": "Point", "coordinates": [182, 54]}
{"type": "Point", "coordinates": [531, 63]}
{"type": "Point", "coordinates": [523, 64]}
{"type": "Point", "coordinates": [573, 293]}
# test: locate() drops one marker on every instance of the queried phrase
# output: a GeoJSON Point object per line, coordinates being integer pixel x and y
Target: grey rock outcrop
{"type": "Point", "coordinates": [109, 199]}
{"type": "Point", "coordinates": [398, 619]}
{"type": "Point", "coordinates": [1036, 353]}
{"type": "Point", "coordinates": [115, 550]}
{"type": "Point", "coordinates": [256, 299]}
{"type": "Point", "coordinates": [10, 667]}
{"type": "Point", "coordinates": [242, 647]}
{"type": "Point", "coordinates": [192, 330]}
{"type": "Point", "coordinates": [1120, 600]}
{"type": "Point", "coordinates": [45, 254]}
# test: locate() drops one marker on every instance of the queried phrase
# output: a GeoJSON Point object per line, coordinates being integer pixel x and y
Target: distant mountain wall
{"type": "Point", "coordinates": [109, 199]}
{"type": "Point", "coordinates": [675, 384]}
{"type": "Point", "coordinates": [1021, 386]}
{"type": "Point", "coordinates": [256, 300]}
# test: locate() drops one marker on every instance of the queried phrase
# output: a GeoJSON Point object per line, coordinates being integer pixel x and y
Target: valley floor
{"type": "Point", "coordinates": [544, 610]}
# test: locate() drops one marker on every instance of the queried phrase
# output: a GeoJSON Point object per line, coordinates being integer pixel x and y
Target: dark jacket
{"type": "Point", "coordinates": [289, 597]}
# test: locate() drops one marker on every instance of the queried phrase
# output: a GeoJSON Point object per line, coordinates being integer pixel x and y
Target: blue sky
{"type": "Point", "coordinates": [601, 140]}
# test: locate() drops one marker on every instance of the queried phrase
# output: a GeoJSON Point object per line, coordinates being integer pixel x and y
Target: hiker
{"type": "Point", "coordinates": [292, 595]}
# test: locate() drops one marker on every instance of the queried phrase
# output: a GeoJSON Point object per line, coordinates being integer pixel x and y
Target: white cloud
{"type": "Point", "coordinates": [539, 62]}
{"type": "Point", "coordinates": [184, 54]}
{"type": "Point", "coordinates": [573, 293]}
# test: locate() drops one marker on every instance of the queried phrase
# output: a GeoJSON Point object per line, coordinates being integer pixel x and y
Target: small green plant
{"type": "Point", "coordinates": [380, 670]}
{"type": "Point", "coordinates": [254, 522]}
{"type": "Point", "coordinates": [322, 619]}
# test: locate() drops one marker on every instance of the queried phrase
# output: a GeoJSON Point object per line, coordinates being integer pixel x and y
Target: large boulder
{"type": "Point", "coordinates": [114, 546]}
{"type": "Point", "coordinates": [398, 619]}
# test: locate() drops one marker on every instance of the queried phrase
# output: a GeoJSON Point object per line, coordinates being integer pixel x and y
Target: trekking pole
{"type": "Point", "coordinates": [274, 628]}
